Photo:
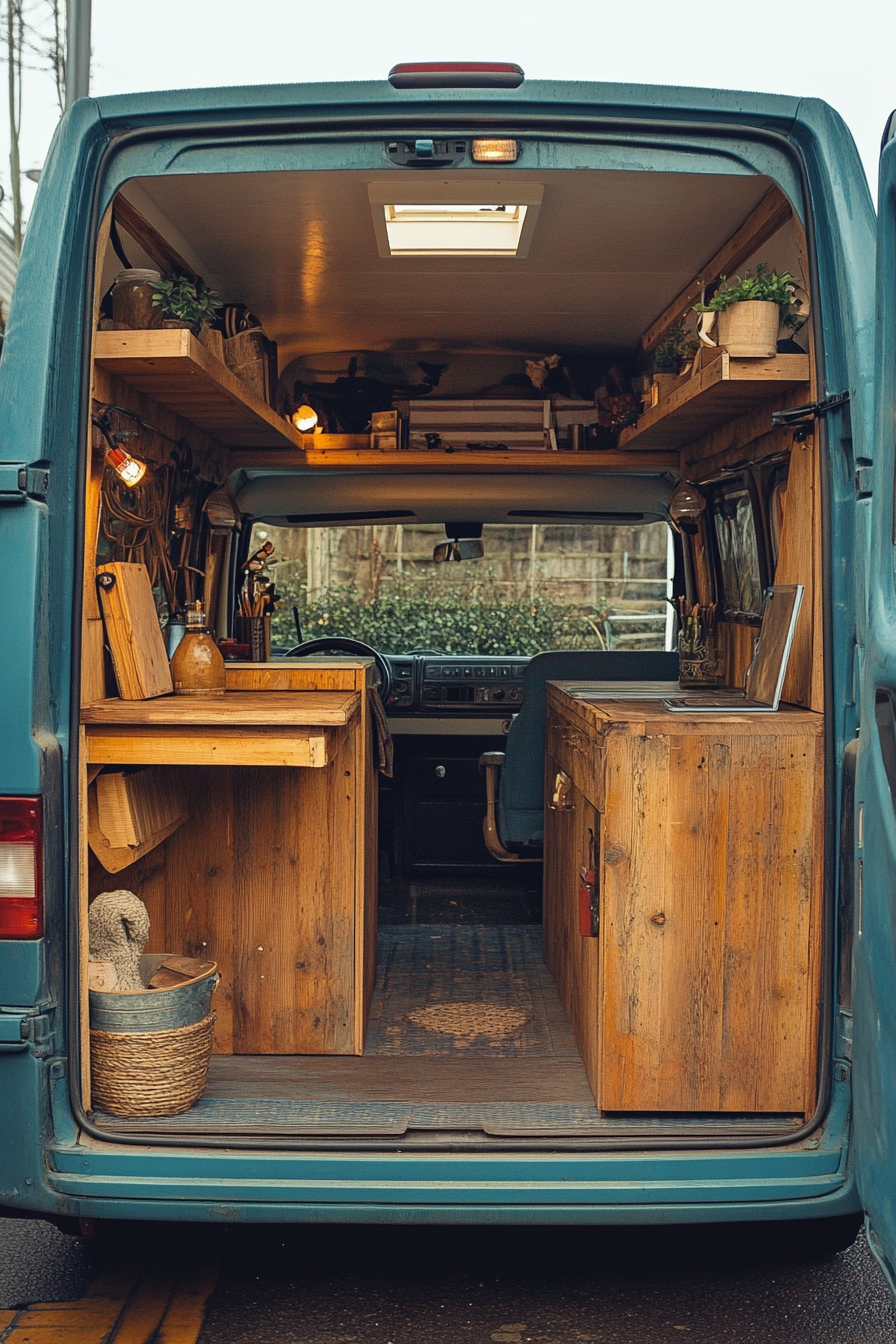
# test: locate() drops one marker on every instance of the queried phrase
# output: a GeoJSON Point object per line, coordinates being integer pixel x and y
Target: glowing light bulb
{"type": "Point", "coordinates": [130, 469]}
{"type": "Point", "coordinates": [305, 419]}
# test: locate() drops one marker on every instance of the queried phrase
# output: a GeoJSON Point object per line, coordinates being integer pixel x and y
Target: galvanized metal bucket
{"type": "Point", "coordinates": [145, 1010]}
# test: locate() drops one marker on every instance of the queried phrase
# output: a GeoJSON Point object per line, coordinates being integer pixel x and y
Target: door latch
{"type": "Point", "coordinates": [800, 417]}
{"type": "Point", "coordinates": [19, 482]}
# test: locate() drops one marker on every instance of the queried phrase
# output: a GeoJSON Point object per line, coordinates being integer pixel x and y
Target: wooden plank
{"type": "Point", "coordinates": [115, 858]}
{"type": "Point", "coordinates": [134, 633]}
{"type": "Point", "coordinates": [162, 744]}
{"type": "Point", "coordinates": [572, 959]}
{"type": "Point", "coordinates": [133, 806]}
{"type": "Point", "coordinates": [609, 463]}
{"type": "Point", "coordinates": [797, 563]}
{"type": "Point", "coordinates": [770, 214]}
{"type": "Point", "coordinates": [720, 391]}
{"type": "Point", "coordinates": [129, 218]}
{"type": "Point", "coordinates": [289, 708]}
{"type": "Point", "coordinates": [181, 374]}
{"type": "Point", "coordinates": [773, 888]}
{"type": "Point", "coordinates": [296, 674]}
{"type": "Point", "coordinates": [294, 913]}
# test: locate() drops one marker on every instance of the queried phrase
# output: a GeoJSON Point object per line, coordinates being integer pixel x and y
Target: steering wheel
{"type": "Point", "coordinates": [338, 644]}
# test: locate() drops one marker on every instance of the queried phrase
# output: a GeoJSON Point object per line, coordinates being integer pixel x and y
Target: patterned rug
{"type": "Point", "coordinates": [465, 990]}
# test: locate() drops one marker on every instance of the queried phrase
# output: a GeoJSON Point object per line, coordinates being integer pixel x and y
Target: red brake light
{"type": "Point", "coordinates": [21, 895]}
{"type": "Point", "coordinates": [456, 75]}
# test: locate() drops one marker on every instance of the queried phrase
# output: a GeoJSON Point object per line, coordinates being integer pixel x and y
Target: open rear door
{"type": "Point", "coordinates": [874, 986]}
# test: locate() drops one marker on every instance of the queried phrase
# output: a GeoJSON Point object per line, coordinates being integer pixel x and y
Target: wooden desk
{"type": "Point", "coordinates": [273, 873]}
{"type": "Point", "coordinates": [699, 991]}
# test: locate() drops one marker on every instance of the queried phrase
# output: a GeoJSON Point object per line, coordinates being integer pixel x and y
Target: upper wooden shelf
{"type": "Point", "coordinates": [720, 391]}
{"type": "Point", "coordinates": [293, 709]}
{"type": "Point", "coordinates": [441, 462]}
{"type": "Point", "coordinates": [177, 371]}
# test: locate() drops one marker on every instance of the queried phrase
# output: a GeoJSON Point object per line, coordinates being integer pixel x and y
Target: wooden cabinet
{"type": "Point", "coordinates": [273, 873]}
{"type": "Point", "coordinates": [700, 991]}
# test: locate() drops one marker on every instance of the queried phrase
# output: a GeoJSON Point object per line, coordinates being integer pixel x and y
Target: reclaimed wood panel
{"type": "Point", "coordinates": [175, 369]}
{"type": "Point", "coordinates": [290, 708]}
{"type": "Point", "coordinates": [720, 391]}
{"type": "Point", "coordinates": [447, 462]}
{"type": "Point", "coordinates": [711, 907]}
{"type": "Point", "coordinates": [799, 561]}
{"type": "Point", "coordinates": [572, 960]}
{"type": "Point", "coordinates": [165, 744]}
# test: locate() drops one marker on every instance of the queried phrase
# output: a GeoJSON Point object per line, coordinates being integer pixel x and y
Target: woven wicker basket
{"type": "Point", "coordinates": [150, 1073]}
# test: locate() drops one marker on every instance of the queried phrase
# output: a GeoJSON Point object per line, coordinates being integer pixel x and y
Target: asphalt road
{"type": "Point", "coordinates": [331, 1285]}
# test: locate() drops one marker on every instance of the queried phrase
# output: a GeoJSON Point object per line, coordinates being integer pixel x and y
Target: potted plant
{"type": "Point", "coordinates": [187, 304]}
{"type": "Point", "coordinates": [667, 360]}
{"type": "Point", "coordinates": [749, 312]}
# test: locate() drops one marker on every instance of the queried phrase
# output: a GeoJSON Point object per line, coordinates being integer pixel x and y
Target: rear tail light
{"type": "Point", "coordinates": [456, 75]}
{"type": "Point", "coordinates": [21, 895]}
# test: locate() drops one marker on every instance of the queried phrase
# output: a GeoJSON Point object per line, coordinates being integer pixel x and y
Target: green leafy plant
{"type": "Point", "coordinates": [184, 300]}
{"type": "Point", "coordinates": [764, 287]}
{"type": "Point", "coordinates": [673, 350]}
{"type": "Point", "coordinates": [400, 620]}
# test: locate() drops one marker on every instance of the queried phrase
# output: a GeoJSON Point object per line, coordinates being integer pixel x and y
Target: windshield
{"type": "Point", "coordinates": [537, 587]}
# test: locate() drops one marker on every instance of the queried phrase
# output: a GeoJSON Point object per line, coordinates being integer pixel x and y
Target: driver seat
{"type": "Point", "coordinates": [515, 799]}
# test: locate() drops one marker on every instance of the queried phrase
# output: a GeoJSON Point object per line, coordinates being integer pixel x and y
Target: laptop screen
{"type": "Point", "coordinates": [780, 609]}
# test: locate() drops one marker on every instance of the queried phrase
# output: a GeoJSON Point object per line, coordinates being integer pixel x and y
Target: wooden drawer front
{"type": "Point", "coordinates": [580, 755]}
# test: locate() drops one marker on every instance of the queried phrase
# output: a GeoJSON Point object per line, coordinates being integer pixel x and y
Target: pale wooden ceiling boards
{"type": "Point", "coordinates": [610, 250]}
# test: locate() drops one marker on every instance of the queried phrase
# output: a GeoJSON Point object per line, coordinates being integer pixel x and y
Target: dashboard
{"type": "Point", "coordinates": [437, 685]}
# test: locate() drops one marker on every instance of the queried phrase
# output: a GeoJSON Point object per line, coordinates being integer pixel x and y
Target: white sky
{"type": "Point", "coordinates": [833, 49]}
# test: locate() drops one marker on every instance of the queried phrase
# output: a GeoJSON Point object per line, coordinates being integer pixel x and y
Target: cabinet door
{"type": "Point", "coordinates": [572, 842]}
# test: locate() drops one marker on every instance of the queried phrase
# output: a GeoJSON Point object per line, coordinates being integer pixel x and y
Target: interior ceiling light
{"type": "Point", "coordinates": [495, 151]}
{"type": "Point", "coordinates": [493, 218]}
{"type": "Point", "coordinates": [305, 419]}
{"type": "Point", "coordinates": [130, 469]}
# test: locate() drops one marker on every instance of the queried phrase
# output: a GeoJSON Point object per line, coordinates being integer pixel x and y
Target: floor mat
{"type": "Point", "coordinates": [462, 991]}
{"type": "Point", "coordinates": [359, 1118]}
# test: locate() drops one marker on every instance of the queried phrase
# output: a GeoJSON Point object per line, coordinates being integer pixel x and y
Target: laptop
{"type": "Point", "coordinates": [765, 675]}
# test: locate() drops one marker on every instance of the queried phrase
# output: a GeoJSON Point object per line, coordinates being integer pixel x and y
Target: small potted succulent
{"type": "Point", "coordinates": [749, 311]}
{"type": "Point", "coordinates": [186, 303]}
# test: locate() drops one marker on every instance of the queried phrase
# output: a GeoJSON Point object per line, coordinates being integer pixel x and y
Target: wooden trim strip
{"type": "Point", "coordinates": [772, 211]}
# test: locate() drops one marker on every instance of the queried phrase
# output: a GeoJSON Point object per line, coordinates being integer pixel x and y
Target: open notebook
{"type": "Point", "coordinates": [765, 676]}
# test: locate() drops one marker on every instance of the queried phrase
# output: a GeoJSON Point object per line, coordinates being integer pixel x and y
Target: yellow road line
{"type": "Point", "coordinates": [183, 1319]}
{"type": "Point", "coordinates": [153, 1305]}
{"type": "Point", "coordinates": [146, 1308]}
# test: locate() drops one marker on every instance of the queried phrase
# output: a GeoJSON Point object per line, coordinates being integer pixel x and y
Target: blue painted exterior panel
{"type": "Point", "coordinates": [40, 414]}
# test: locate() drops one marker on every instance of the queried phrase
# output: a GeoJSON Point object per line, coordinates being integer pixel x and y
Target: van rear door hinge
{"type": "Point", "coordinates": [799, 416]}
{"type": "Point", "coordinates": [18, 482]}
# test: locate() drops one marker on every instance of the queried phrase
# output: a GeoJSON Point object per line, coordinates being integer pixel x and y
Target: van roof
{"type": "Point", "coordinates": [637, 99]}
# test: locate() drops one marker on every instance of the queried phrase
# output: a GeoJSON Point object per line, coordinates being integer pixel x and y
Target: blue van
{"type": "Point", "coordinates": [517, 917]}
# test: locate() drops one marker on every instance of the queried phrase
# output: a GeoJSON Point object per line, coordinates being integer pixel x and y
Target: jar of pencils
{"type": "Point", "coordinates": [700, 655]}
{"type": "Point", "coordinates": [256, 632]}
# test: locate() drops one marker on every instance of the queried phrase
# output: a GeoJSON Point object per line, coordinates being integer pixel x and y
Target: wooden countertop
{"type": "Point", "coordinates": [604, 714]}
{"type": "Point", "coordinates": [292, 709]}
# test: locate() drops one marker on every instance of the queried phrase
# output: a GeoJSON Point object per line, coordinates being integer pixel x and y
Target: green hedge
{"type": "Point", "coordinates": [399, 622]}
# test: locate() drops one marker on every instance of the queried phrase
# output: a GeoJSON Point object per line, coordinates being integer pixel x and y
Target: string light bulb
{"type": "Point", "coordinates": [305, 419]}
{"type": "Point", "coordinates": [130, 469]}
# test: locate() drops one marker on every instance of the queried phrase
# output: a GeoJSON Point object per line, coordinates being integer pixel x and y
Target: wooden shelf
{"type": "Point", "coordinates": [278, 728]}
{"type": "Point", "coordinates": [443, 463]}
{"type": "Point", "coordinates": [234, 708]}
{"type": "Point", "coordinates": [721, 391]}
{"type": "Point", "coordinates": [177, 371]}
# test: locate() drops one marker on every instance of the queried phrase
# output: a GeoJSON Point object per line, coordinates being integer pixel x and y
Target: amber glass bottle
{"type": "Point", "coordinates": [197, 667]}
